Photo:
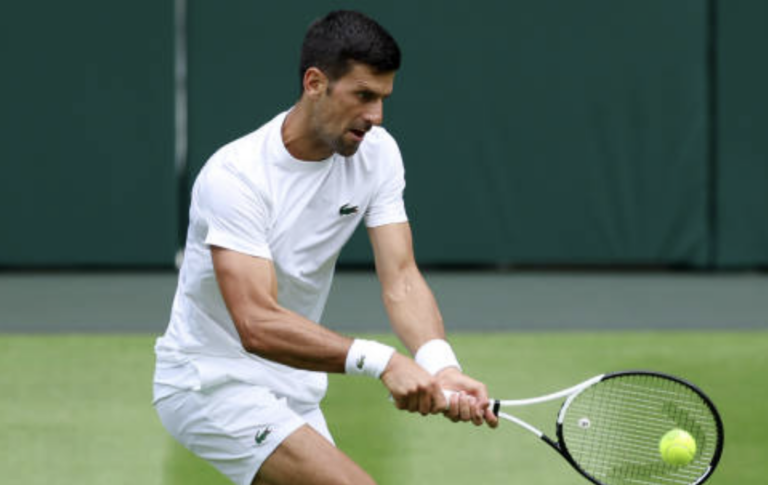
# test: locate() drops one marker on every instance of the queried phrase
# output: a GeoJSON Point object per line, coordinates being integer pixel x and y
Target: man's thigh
{"type": "Point", "coordinates": [235, 426]}
{"type": "Point", "coordinates": [307, 458]}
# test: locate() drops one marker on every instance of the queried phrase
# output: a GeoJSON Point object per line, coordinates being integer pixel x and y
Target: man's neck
{"type": "Point", "coordinates": [299, 139]}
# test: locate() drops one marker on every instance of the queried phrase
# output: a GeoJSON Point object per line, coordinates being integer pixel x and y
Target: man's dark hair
{"type": "Point", "coordinates": [342, 36]}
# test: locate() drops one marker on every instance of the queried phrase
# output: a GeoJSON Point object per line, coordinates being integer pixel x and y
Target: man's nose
{"type": "Point", "coordinates": [375, 113]}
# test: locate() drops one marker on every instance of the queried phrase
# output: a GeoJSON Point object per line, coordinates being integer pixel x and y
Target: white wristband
{"type": "Point", "coordinates": [435, 356]}
{"type": "Point", "coordinates": [367, 358]}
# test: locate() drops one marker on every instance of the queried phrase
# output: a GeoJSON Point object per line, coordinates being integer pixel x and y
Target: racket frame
{"type": "Point", "coordinates": [572, 392]}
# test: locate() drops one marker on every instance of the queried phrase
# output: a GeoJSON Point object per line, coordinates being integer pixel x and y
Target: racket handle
{"type": "Point", "coordinates": [495, 403]}
{"type": "Point", "coordinates": [448, 394]}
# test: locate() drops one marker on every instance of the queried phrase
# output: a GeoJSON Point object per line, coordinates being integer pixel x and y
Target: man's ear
{"type": "Point", "coordinates": [315, 82]}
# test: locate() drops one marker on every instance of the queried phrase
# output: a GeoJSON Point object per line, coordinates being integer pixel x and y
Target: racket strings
{"type": "Point", "coordinates": [612, 430]}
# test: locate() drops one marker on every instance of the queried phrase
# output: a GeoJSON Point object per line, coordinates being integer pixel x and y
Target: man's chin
{"type": "Point", "coordinates": [347, 149]}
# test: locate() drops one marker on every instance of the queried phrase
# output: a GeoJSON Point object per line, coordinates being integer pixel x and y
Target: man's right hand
{"type": "Point", "coordinates": [412, 388]}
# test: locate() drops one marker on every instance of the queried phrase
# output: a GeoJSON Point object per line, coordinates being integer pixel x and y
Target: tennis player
{"type": "Point", "coordinates": [243, 365]}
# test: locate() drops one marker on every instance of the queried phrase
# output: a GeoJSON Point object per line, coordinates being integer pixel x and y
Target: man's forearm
{"type": "Point", "coordinates": [288, 338]}
{"type": "Point", "coordinates": [412, 309]}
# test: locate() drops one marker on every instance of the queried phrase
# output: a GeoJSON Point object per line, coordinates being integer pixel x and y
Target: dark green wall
{"type": "Point", "coordinates": [559, 132]}
{"type": "Point", "coordinates": [544, 133]}
{"type": "Point", "coordinates": [533, 132]}
{"type": "Point", "coordinates": [86, 134]}
{"type": "Point", "coordinates": [742, 171]}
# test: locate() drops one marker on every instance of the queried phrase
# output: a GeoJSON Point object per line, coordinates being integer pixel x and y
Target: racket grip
{"type": "Point", "coordinates": [495, 403]}
{"type": "Point", "coordinates": [448, 394]}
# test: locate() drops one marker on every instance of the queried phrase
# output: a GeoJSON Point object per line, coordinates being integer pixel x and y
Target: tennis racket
{"type": "Point", "coordinates": [609, 428]}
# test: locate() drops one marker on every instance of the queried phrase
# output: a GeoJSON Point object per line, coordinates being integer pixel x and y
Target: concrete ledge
{"type": "Point", "coordinates": [474, 301]}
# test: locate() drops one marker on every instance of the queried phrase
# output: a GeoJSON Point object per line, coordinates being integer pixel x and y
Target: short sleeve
{"type": "Point", "coordinates": [234, 213]}
{"type": "Point", "coordinates": [387, 205]}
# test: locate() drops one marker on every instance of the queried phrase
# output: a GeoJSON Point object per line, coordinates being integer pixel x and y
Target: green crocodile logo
{"type": "Point", "coordinates": [347, 209]}
{"type": "Point", "coordinates": [262, 435]}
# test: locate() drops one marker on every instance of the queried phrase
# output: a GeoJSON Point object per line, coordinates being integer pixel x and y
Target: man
{"type": "Point", "coordinates": [242, 368]}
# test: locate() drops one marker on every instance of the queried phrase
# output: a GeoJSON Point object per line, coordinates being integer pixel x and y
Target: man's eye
{"type": "Point", "coordinates": [365, 95]}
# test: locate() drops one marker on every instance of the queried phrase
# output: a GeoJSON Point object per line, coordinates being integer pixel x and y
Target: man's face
{"type": "Point", "coordinates": [350, 106]}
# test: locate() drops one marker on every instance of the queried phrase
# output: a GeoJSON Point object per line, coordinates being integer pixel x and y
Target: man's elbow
{"type": "Point", "coordinates": [252, 345]}
{"type": "Point", "coordinates": [255, 335]}
{"type": "Point", "coordinates": [400, 287]}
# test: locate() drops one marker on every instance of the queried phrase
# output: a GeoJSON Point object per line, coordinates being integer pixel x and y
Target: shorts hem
{"type": "Point", "coordinates": [275, 441]}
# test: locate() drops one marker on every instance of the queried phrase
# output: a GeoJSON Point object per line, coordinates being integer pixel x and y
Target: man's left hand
{"type": "Point", "coordinates": [470, 401]}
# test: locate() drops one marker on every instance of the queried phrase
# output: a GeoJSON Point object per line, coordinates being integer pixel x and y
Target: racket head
{"type": "Point", "coordinates": [610, 431]}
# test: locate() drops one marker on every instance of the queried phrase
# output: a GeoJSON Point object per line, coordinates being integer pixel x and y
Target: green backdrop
{"type": "Point", "coordinates": [86, 134]}
{"type": "Point", "coordinates": [742, 120]}
{"type": "Point", "coordinates": [534, 133]}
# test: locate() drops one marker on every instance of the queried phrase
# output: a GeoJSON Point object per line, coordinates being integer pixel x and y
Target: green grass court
{"type": "Point", "coordinates": [75, 409]}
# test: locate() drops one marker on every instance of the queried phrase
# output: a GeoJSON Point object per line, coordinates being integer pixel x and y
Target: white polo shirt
{"type": "Point", "coordinates": [253, 197]}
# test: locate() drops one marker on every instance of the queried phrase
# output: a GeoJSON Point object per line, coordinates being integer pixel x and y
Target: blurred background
{"type": "Point", "coordinates": [595, 133]}
{"type": "Point", "coordinates": [576, 170]}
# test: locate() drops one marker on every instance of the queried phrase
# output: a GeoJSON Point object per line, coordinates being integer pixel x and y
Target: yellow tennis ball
{"type": "Point", "coordinates": [677, 447]}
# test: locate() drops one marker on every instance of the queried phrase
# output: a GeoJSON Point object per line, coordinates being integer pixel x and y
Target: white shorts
{"type": "Point", "coordinates": [235, 426]}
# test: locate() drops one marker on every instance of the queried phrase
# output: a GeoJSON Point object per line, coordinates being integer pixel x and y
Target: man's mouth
{"type": "Point", "coordinates": [358, 135]}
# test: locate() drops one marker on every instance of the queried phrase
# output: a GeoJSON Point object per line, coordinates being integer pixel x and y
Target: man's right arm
{"type": "Point", "coordinates": [249, 287]}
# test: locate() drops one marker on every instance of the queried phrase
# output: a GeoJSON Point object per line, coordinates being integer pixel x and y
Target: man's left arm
{"type": "Point", "coordinates": [416, 319]}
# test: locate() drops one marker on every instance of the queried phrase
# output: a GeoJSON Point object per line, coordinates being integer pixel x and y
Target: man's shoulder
{"type": "Point", "coordinates": [245, 154]}
{"type": "Point", "coordinates": [240, 163]}
{"type": "Point", "coordinates": [248, 143]}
